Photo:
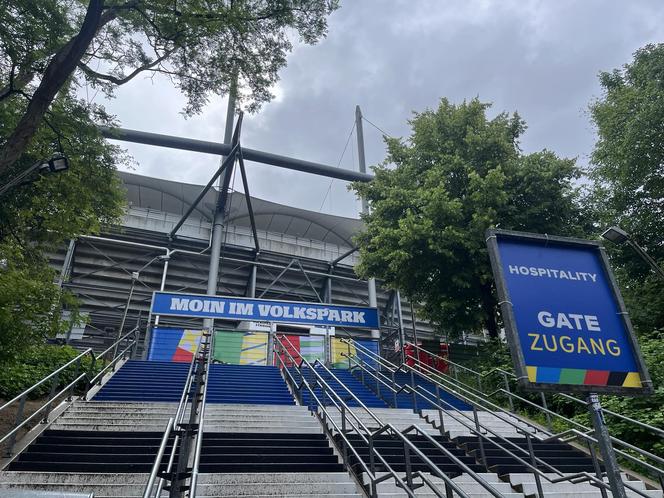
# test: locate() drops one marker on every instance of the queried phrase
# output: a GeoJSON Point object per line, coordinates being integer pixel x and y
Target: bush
{"type": "Point", "coordinates": [34, 364]}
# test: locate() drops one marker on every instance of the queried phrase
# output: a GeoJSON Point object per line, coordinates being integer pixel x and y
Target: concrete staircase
{"type": "Point", "coordinates": [257, 442]}
{"type": "Point", "coordinates": [469, 486]}
{"type": "Point", "coordinates": [456, 424]}
{"type": "Point", "coordinates": [128, 416]}
{"type": "Point", "coordinates": [526, 483]}
{"type": "Point", "coordinates": [400, 418]}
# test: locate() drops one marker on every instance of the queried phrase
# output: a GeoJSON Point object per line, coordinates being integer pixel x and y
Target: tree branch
{"type": "Point", "coordinates": [122, 80]}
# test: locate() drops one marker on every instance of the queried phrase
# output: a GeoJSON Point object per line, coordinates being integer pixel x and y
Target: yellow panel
{"type": "Point", "coordinates": [339, 347]}
{"type": "Point", "coordinates": [532, 373]}
{"type": "Point", "coordinates": [254, 349]}
{"type": "Point", "coordinates": [632, 380]}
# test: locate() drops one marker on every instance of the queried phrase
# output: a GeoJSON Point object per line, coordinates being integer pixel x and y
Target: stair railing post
{"type": "Point", "coordinates": [479, 437]}
{"type": "Point", "coordinates": [349, 362]}
{"type": "Point", "coordinates": [409, 467]}
{"type": "Point", "coordinates": [441, 426]}
{"type": "Point", "coordinates": [448, 490]}
{"type": "Point", "coordinates": [509, 393]}
{"type": "Point", "coordinates": [413, 392]}
{"type": "Point", "coordinates": [76, 372]}
{"type": "Point", "coordinates": [54, 386]}
{"type": "Point", "coordinates": [546, 407]}
{"type": "Point", "coordinates": [394, 392]}
{"type": "Point", "coordinates": [343, 419]}
{"type": "Point", "coordinates": [533, 461]}
{"type": "Point", "coordinates": [19, 418]}
{"type": "Point", "coordinates": [372, 459]}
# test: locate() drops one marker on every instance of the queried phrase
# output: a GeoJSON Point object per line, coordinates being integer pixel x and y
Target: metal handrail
{"type": "Point", "coordinates": [395, 432]}
{"type": "Point", "coordinates": [578, 434]}
{"type": "Point", "coordinates": [173, 422]}
{"type": "Point", "coordinates": [584, 430]}
{"type": "Point", "coordinates": [651, 428]}
{"type": "Point", "coordinates": [340, 430]}
{"type": "Point", "coordinates": [532, 465]}
{"type": "Point", "coordinates": [54, 377]}
{"type": "Point", "coordinates": [201, 419]}
{"type": "Point", "coordinates": [158, 458]}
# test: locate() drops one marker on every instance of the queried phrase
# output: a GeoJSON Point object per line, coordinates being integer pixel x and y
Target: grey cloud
{"type": "Point", "coordinates": [540, 58]}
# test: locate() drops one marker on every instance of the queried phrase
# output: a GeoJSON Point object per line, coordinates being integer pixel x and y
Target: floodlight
{"type": "Point", "coordinates": [57, 163]}
{"type": "Point", "coordinates": [616, 235]}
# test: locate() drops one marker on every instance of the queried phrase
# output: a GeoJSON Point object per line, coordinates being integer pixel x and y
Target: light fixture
{"type": "Point", "coordinates": [58, 162]}
{"type": "Point", "coordinates": [616, 235]}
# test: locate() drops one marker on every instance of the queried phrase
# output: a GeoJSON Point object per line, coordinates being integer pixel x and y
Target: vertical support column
{"type": "Point", "coordinates": [218, 223]}
{"type": "Point", "coordinates": [66, 265]}
{"type": "Point", "coordinates": [251, 288]}
{"type": "Point", "coordinates": [371, 283]}
{"type": "Point", "coordinates": [162, 286]}
{"type": "Point", "coordinates": [605, 447]}
{"type": "Point", "coordinates": [402, 338]}
{"type": "Point", "coordinates": [327, 298]}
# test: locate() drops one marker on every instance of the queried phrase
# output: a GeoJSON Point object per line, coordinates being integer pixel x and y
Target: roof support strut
{"type": "Point", "coordinates": [258, 156]}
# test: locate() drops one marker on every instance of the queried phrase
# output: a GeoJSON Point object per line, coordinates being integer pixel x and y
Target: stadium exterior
{"type": "Point", "coordinates": [304, 256]}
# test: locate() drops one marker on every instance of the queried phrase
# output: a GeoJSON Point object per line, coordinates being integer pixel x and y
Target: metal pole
{"type": "Point", "coordinates": [134, 278]}
{"type": "Point", "coordinates": [402, 339]}
{"type": "Point", "coordinates": [251, 291]}
{"type": "Point", "coordinates": [646, 257]}
{"type": "Point", "coordinates": [162, 286]}
{"type": "Point", "coordinates": [412, 319]}
{"type": "Point", "coordinates": [371, 283]}
{"type": "Point", "coordinates": [605, 447]}
{"type": "Point", "coordinates": [218, 223]}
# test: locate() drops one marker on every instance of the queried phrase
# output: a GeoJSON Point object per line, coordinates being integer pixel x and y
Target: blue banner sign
{"type": "Point", "coordinates": [238, 308]}
{"type": "Point", "coordinates": [565, 320]}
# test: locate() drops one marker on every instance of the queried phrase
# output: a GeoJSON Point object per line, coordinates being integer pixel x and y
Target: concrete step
{"type": "Point", "coordinates": [527, 483]}
{"type": "Point", "coordinates": [239, 478]}
{"type": "Point", "coordinates": [236, 489]}
{"type": "Point", "coordinates": [209, 427]}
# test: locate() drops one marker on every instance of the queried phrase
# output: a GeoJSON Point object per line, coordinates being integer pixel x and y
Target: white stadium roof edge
{"type": "Point", "coordinates": [175, 197]}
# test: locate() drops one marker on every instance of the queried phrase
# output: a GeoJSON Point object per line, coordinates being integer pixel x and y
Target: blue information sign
{"type": "Point", "coordinates": [238, 308]}
{"type": "Point", "coordinates": [566, 323]}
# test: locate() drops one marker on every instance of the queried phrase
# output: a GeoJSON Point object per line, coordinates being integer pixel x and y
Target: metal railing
{"type": "Point", "coordinates": [477, 401]}
{"type": "Point", "coordinates": [176, 423]}
{"type": "Point", "coordinates": [88, 379]}
{"type": "Point", "coordinates": [349, 417]}
{"type": "Point", "coordinates": [627, 452]}
{"type": "Point", "coordinates": [511, 396]}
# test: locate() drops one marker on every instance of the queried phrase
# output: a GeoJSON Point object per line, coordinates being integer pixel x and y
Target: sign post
{"type": "Point", "coordinates": [566, 324]}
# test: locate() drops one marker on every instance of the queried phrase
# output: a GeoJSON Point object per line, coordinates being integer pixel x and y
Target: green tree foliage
{"type": "Point", "coordinates": [628, 171]}
{"type": "Point", "coordinates": [458, 174]}
{"type": "Point", "coordinates": [201, 45]}
{"type": "Point", "coordinates": [42, 214]}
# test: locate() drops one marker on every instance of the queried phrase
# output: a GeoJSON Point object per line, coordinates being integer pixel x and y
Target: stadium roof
{"type": "Point", "coordinates": [175, 197]}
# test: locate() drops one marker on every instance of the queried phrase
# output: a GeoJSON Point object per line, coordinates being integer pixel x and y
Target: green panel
{"type": "Point", "coordinates": [227, 346]}
{"type": "Point", "coordinates": [572, 376]}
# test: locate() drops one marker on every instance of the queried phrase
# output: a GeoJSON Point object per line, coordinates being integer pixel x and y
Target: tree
{"type": "Point", "coordinates": [201, 45]}
{"type": "Point", "coordinates": [38, 217]}
{"type": "Point", "coordinates": [458, 174]}
{"type": "Point", "coordinates": [628, 173]}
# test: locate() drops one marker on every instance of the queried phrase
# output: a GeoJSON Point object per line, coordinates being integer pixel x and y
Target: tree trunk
{"type": "Point", "coordinates": [59, 69]}
{"type": "Point", "coordinates": [489, 308]}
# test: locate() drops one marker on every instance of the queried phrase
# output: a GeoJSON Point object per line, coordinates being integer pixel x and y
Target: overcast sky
{"type": "Point", "coordinates": [540, 58]}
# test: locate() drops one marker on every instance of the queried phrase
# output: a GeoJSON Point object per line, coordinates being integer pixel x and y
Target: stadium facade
{"type": "Point", "coordinates": [304, 256]}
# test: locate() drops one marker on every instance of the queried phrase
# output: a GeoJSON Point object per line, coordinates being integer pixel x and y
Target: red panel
{"type": "Point", "coordinates": [596, 377]}
{"type": "Point", "coordinates": [292, 344]}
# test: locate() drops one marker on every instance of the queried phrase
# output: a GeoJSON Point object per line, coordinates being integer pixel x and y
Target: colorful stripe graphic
{"type": "Point", "coordinates": [582, 377]}
{"type": "Point", "coordinates": [240, 348]}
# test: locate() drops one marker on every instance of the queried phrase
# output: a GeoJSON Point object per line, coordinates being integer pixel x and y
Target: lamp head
{"type": "Point", "coordinates": [58, 162]}
{"type": "Point", "coordinates": [616, 235]}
